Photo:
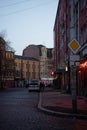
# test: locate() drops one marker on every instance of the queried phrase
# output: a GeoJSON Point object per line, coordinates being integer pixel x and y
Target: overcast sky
{"type": "Point", "coordinates": [28, 22]}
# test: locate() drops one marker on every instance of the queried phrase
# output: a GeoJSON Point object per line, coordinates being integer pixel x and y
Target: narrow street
{"type": "Point", "coordinates": [18, 111]}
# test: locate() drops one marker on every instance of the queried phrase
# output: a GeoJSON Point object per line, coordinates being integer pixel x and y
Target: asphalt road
{"type": "Point", "coordinates": [18, 111]}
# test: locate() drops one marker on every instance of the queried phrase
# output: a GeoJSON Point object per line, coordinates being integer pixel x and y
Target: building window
{"type": "Point", "coordinates": [17, 73]}
{"type": "Point", "coordinates": [26, 66]}
{"type": "Point", "coordinates": [33, 66]}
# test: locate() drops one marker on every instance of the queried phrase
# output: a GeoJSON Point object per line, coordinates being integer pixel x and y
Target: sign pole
{"type": "Point", "coordinates": [74, 46]}
{"type": "Point", "coordinates": [74, 98]}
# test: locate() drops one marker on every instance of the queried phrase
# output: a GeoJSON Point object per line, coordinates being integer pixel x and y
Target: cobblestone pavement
{"type": "Point", "coordinates": [18, 111]}
{"type": "Point", "coordinates": [54, 100]}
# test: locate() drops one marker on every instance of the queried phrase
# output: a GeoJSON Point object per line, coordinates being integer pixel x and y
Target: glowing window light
{"type": "Point", "coordinates": [83, 65]}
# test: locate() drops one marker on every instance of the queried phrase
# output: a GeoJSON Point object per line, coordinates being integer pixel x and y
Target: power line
{"type": "Point", "coordinates": [23, 10]}
{"type": "Point", "coordinates": [15, 3]}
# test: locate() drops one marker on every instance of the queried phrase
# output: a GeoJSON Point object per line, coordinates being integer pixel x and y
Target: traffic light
{"type": "Point", "coordinates": [52, 73]}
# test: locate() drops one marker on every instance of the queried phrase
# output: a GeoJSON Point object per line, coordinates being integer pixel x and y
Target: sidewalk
{"type": "Point", "coordinates": [55, 102]}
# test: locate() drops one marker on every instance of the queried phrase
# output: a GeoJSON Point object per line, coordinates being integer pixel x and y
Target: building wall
{"type": "Point", "coordinates": [2, 61]}
{"type": "Point", "coordinates": [83, 22]}
{"type": "Point", "coordinates": [70, 22]}
{"type": "Point", "coordinates": [39, 52]}
{"type": "Point", "coordinates": [43, 59]}
{"type": "Point", "coordinates": [26, 68]}
{"type": "Point", "coordinates": [9, 69]}
{"type": "Point", "coordinates": [15, 71]}
{"type": "Point", "coordinates": [61, 34]}
{"type": "Point", "coordinates": [30, 69]}
{"type": "Point", "coordinates": [31, 51]}
{"type": "Point", "coordinates": [18, 68]}
{"type": "Point", "coordinates": [82, 70]}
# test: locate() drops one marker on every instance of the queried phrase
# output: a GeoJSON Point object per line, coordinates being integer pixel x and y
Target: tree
{"type": "Point", "coordinates": [3, 35]}
{"type": "Point", "coordinates": [4, 62]}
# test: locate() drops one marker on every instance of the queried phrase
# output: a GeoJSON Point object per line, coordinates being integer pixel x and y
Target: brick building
{"type": "Point", "coordinates": [2, 61]}
{"type": "Point", "coordinates": [45, 56]}
{"type": "Point", "coordinates": [71, 23]}
{"type": "Point", "coordinates": [6, 66]}
{"type": "Point", "coordinates": [9, 69]}
{"type": "Point", "coordinates": [15, 70]}
{"type": "Point", "coordinates": [31, 51]}
{"type": "Point", "coordinates": [81, 26]}
{"type": "Point", "coordinates": [61, 40]}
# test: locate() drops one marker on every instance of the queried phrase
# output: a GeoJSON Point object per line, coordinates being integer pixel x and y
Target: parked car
{"type": "Point", "coordinates": [34, 86]}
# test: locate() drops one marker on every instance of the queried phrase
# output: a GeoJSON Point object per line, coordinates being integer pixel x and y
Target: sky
{"type": "Point", "coordinates": [28, 22]}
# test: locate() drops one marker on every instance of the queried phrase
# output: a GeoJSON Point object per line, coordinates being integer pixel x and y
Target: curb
{"type": "Point", "coordinates": [62, 114]}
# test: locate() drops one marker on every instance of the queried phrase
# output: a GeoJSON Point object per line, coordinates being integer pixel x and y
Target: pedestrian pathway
{"type": "Point", "coordinates": [61, 104]}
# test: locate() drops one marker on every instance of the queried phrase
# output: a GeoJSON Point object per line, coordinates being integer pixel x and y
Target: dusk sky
{"type": "Point", "coordinates": [28, 22]}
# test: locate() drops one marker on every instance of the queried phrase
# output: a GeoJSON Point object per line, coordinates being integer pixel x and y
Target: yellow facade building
{"type": "Point", "coordinates": [26, 69]}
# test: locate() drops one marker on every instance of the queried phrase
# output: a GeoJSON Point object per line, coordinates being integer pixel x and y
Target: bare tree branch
{"type": "Point", "coordinates": [3, 34]}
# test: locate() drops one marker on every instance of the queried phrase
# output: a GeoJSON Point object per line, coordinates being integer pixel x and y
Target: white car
{"type": "Point", "coordinates": [34, 86]}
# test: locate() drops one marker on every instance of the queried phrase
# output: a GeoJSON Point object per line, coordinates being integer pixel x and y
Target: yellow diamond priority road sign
{"type": "Point", "coordinates": [74, 46]}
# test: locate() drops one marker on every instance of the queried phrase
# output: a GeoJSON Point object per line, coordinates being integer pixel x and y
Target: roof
{"type": "Point", "coordinates": [40, 46]}
{"type": "Point", "coordinates": [25, 58]}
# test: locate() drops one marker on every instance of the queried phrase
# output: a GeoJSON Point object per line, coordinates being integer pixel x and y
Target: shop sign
{"type": "Point", "coordinates": [63, 64]}
{"type": "Point", "coordinates": [74, 60]}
